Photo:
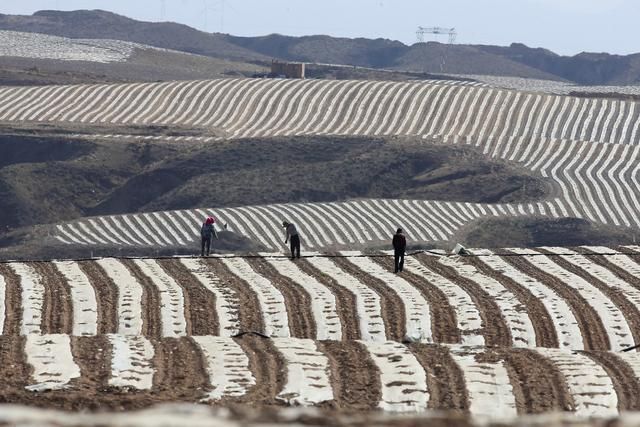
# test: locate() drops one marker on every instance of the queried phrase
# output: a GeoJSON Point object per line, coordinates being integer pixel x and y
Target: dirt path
{"type": "Point", "coordinates": [13, 301]}
{"type": "Point", "coordinates": [151, 317]}
{"type": "Point", "coordinates": [268, 368]}
{"type": "Point", "coordinates": [106, 296]}
{"type": "Point", "coordinates": [443, 317]}
{"type": "Point", "coordinates": [249, 311]}
{"type": "Point", "coordinates": [180, 370]}
{"type": "Point", "coordinates": [393, 312]}
{"type": "Point", "coordinates": [624, 380]}
{"type": "Point", "coordinates": [445, 379]}
{"type": "Point", "coordinates": [346, 306]}
{"type": "Point", "coordinates": [593, 332]}
{"type": "Point", "coordinates": [297, 301]}
{"type": "Point", "coordinates": [540, 386]}
{"type": "Point", "coordinates": [354, 375]}
{"type": "Point", "coordinates": [496, 332]}
{"type": "Point", "coordinates": [540, 318]}
{"type": "Point", "coordinates": [199, 304]}
{"type": "Point", "coordinates": [57, 311]}
{"type": "Point", "coordinates": [629, 311]}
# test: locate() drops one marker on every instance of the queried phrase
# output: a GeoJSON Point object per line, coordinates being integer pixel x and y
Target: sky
{"type": "Point", "coordinates": [566, 27]}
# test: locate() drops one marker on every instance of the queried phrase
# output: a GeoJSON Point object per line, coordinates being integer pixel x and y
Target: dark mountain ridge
{"type": "Point", "coordinates": [514, 60]}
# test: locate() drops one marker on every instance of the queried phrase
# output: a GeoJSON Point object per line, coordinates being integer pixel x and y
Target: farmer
{"type": "Point", "coordinates": [399, 243]}
{"type": "Point", "coordinates": [207, 232]}
{"type": "Point", "coordinates": [292, 233]}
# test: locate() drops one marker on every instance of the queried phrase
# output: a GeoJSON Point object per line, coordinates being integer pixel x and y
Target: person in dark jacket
{"type": "Point", "coordinates": [292, 234]}
{"type": "Point", "coordinates": [399, 243]}
{"type": "Point", "coordinates": [207, 232]}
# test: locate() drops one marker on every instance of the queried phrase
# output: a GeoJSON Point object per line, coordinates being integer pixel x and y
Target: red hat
{"type": "Point", "coordinates": [211, 220]}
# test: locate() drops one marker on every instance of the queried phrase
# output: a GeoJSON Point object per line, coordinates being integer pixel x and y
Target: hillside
{"type": "Point", "coordinates": [465, 154]}
{"type": "Point", "coordinates": [515, 60]}
{"type": "Point", "coordinates": [37, 59]}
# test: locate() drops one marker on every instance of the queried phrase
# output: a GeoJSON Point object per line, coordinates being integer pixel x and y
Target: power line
{"type": "Point", "coordinates": [451, 32]}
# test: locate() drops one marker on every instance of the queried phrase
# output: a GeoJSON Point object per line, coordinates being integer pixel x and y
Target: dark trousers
{"type": "Point", "coordinates": [295, 245]}
{"type": "Point", "coordinates": [399, 259]}
{"type": "Point", "coordinates": [206, 242]}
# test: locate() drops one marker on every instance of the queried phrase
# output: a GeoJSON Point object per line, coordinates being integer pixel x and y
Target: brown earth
{"type": "Point", "coordinates": [201, 315]}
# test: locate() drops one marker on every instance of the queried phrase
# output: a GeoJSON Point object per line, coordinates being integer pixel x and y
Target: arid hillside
{"type": "Point", "coordinates": [515, 60]}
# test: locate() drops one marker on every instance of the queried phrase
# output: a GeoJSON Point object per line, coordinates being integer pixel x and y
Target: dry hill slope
{"type": "Point", "coordinates": [514, 60]}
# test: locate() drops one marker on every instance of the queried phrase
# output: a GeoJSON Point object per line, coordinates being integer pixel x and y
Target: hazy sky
{"type": "Point", "coordinates": [564, 26]}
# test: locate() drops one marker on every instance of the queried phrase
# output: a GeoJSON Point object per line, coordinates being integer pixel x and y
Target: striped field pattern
{"type": "Point", "coordinates": [278, 107]}
{"type": "Point", "coordinates": [584, 299]}
{"type": "Point", "coordinates": [588, 148]}
{"type": "Point", "coordinates": [467, 333]}
{"type": "Point", "coordinates": [323, 225]}
{"type": "Point", "coordinates": [403, 378]}
{"type": "Point", "coordinates": [43, 46]}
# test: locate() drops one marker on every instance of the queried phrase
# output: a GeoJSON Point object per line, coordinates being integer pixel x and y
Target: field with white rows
{"type": "Point", "coordinates": [350, 224]}
{"type": "Point", "coordinates": [361, 375]}
{"type": "Point", "coordinates": [550, 86]}
{"type": "Point", "coordinates": [587, 147]}
{"type": "Point", "coordinates": [276, 107]}
{"type": "Point", "coordinates": [525, 298]}
{"type": "Point", "coordinates": [42, 46]}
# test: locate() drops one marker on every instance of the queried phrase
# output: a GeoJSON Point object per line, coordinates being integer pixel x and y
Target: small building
{"type": "Point", "coordinates": [292, 70]}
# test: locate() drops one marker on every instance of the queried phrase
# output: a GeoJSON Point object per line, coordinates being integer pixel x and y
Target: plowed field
{"type": "Point", "coordinates": [496, 334]}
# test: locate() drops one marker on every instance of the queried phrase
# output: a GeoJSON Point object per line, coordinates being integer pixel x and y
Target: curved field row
{"type": "Point", "coordinates": [335, 224]}
{"type": "Point", "coordinates": [44, 46]}
{"type": "Point", "coordinates": [347, 375]}
{"type": "Point", "coordinates": [549, 86]}
{"type": "Point", "coordinates": [273, 107]}
{"type": "Point", "coordinates": [526, 298]}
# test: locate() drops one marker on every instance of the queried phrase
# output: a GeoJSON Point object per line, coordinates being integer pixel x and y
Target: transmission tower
{"type": "Point", "coordinates": [451, 32]}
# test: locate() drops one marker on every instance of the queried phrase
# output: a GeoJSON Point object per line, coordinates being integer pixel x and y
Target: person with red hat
{"type": "Point", "coordinates": [207, 232]}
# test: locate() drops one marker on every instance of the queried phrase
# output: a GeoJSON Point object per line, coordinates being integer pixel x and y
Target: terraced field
{"type": "Point", "coordinates": [43, 46]}
{"type": "Point", "coordinates": [349, 224]}
{"type": "Point", "coordinates": [271, 107]}
{"type": "Point", "coordinates": [498, 334]}
{"type": "Point", "coordinates": [546, 297]}
{"type": "Point", "coordinates": [587, 147]}
{"type": "Point", "coordinates": [521, 331]}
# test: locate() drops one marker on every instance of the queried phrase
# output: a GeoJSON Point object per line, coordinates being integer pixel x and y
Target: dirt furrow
{"type": "Point", "coordinates": [106, 296]}
{"type": "Point", "coordinates": [443, 317]}
{"type": "Point", "coordinates": [57, 311]}
{"type": "Point", "coordinates": [540, 386]}
{"type": "Point", "coordinates": [593, 333]}
{"type": "Point", "coordinates": [180, 373]}
{"type": "Point", "coordinates": [297, 301]}
{"type": "Point", "coordinates": [628, 309]}
{"type": "Point", "coordinates": [393, 312]}
{"type": "Point", "coordinates": [345, 301]}
{"type": "Point", "coordinates": [268, 368]}
{"type": "Point", "coordinates": [355, 377]}
{"type": "Point", "coordinates": [249, 311]}
{"type": "Point", "coordinates": [496, 332]}
{"type": "Point", "coordinates": [93, 356]}
{"type": "Point", "coordinates": [12, 301]}
{"type": "Point", "coordinates": [199, 303]}
{"type": "Point", "coordinates": [447, 388]}
{"type": "Point", "coordinates": [624, 380]}
{"type": "Point", "coordinates": [14, 370]}
{"type": "Point", "coordinates": [151, 317]}
{"type": "Point", "coordinates": [546, 335]}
